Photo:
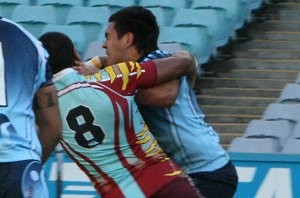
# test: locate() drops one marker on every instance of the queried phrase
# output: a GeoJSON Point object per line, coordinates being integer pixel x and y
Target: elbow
{"type": "Point", "coordinates": [169, 102]}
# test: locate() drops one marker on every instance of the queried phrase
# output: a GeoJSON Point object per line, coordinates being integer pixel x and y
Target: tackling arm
{"type": "Point", "coordinates": [48, 119]}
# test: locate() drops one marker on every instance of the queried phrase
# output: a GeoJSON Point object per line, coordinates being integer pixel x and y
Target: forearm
{"type": "Point", "coordinates": [163, 95]}
{"type": "Point", "coordinates": [48, 120]}
{"type": "Point", "coordinates": [182, 63]}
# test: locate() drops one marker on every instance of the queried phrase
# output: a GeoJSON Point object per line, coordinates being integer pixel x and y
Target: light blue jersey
{"type": "Point", "coordinates": [182, 132]}
{"type": "Point", "coordinates": [104, 133]}
{"type": "Point", "coordinates": [22, 72]}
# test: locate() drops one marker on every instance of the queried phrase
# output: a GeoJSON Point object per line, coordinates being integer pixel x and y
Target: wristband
{"type": "Point", "coordinates": [95, 61]}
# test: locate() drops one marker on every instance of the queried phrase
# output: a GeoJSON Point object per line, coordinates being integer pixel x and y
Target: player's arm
{"type": "Point", "coordinates": [171, 68]}
{"type": "Point", "coordinates": [159, 96]}
{"type": "Point", "coordinates": [91, 66]}
{"type": "Point", "coordinates": [47, 119]}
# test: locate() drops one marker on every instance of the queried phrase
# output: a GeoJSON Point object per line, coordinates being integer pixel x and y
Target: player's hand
{"type": "Point", "coordinates": [83, 69]}
{"type": "Point", "coordinates": [186, 54]}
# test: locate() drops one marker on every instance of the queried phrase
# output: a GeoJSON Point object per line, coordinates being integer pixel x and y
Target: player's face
{"type": "Point", "coordinates": [115, 47]}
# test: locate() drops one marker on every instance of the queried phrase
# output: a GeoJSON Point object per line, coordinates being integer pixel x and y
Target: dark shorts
{"type": "Point", "coordinates": [179, 188]}
{"type": "Point", "coordinates": [219, 183]}
{"type": "Point", "coordinates": [22, 179]}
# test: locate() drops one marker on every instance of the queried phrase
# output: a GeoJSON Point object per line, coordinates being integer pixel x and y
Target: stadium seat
{"type": "Point", "coordinates": [62, 7]}
{"type": "Point", "coordinates": [170, 47]}
{"type": "Point", "coordinates": [93, 49]}
{"type": "Point", "coordinates": [194, 39]}
{"type": "Point", "coordinates": [235, 9]}
{"type": "Point", "coordinates": [298, 79]}
{"type": "Point", "coordinates": [7, 6]}
{"type": "Point", "coordinates": [280, 129]}
{"type": "Point", "coordinates": [219, 26]}
{"type": "Point", "coordinates": [91, 19]}
{"type": "Point", "coordinates": [167, 7]}
{"type": "Point", "coordinates": [279, 111]}
{"type": "Point", "coordinates": [254, 145]}
{"type": "Point", "coordinates": [75, 33]}
{"type": "Point", "coordinates": [34, 18]}
{"type": "Point", "coordinates": [171, 4]}
{"type": "Point", "coordinates": [292, 146]}
{"type": "Point", "coordinates": [114, 5]}
{"type": "Point", "coordinates": [296, 131]}
{"type": "Point", "coordinates": [255, 4]}
{"type": "Point", "coordinates": [163, 17]}
{"type": "Point", "coordinates": [290, 94]}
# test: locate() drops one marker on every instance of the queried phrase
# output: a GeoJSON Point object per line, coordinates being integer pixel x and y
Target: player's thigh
{"type": "Point", "coordinates": [22, 179]}
{"type": "Point", "coordinates": [181, 187]}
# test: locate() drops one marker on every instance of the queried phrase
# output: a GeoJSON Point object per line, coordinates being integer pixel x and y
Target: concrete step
{"type": "Point", "coordinates": [276, 25]}
{"type": "Point", "coordinates": [269, 44]}
{"type": "Point", "coordinates": [229, 118]}
{"type": "Point", "coordinates": [253, 63]}
{"type": "Point", "coordinates": [222, 108]}
{"type": "Point", "coordinates": [255, 73]}
{"type": "Point", "coordinates": [276, 35]}
{"type": "Point", "coordinates": [243, 83]}
{"type": "Point", "coordinates": [225, 146]}
{"type": "Point", "coordinates": [234, 101]}
{"type": "Point", "coordinates": [289, 5]}
{"type": "Point", "coordinates": [286, 15]}
{"type": "Point", "coordinates": [274, 54]}
{"type": "Point", "coordinates": [225, 128]}
{"type": "Point", "coordinates": [239, 92]}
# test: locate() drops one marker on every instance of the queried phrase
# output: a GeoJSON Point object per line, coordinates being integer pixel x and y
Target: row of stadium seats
{"type": "Point", "coordinates": [201, 26]}
{"type": "Point", "coordinates": [279, 129]}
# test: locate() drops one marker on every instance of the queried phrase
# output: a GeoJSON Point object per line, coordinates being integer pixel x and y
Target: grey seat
{"type": "Point", "coordinates": [34, 18]}
{"type": "Point", "coordinates": [279, 111]}
{"type": "Point", "coordinates": [254, 145]}
{"type": "Point", "coordinates": [290, 94]}
{"type": "Point", "coordinates": [280, 129]}
{"type": "Point", "coordinates": [75, 33]}
{"type": "Point", "coordinates": [94, 49]}
{"type": "Point", "coordinates": [296, 131]}
{"type": "Point", "coordinates": [170, 47]}
{"type": "Point", "coordinates": [7, 6]}
{"type": "Point", "coordinates": [292, 146]}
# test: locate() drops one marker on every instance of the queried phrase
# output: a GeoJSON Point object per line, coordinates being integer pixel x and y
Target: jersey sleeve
{"type": "Point", "coordinates": [149, 75]}
{"type": "Point", "coordinates": [126, 78]}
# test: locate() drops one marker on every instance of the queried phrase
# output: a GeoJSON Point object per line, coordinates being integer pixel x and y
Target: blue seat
{"type": "Point", "coordinates": [173, 4]}
{"type": "Point", "coordinates": [7, 6]}
{"type": "Point", "coordinates": [194, 39]}
{"type": "Point", "coordinates": [170, 47]}
{"type": "Point", "coordinates": [290, 93]}
{"type": "Point", "coordinates": [235, 9]}
{"type": "Point", "coordinates": [75, 33]}
{"type": "Point", "coordinates": [34, 18]}
{"type": "Point", "coordinates": [292, 146]}
{"type": "Point", "coordinates": [254, 145]}
{"type": "Point", "coordinates": [94, 48]}
{"type": "Point", "coordinates": [255, 4]}
{"type": "Point", "coordinates": [91, 19]}
{"type": "Point", "coordinates": [163, 17]}
{"type": "Point", "coordinates": [279, 111]}
{"type": "Point", "coordinates": [114, 5]}
{"type": "Point", "coordinates": [62, 7]}
{"type": "Point", "coordinates": [219, 26]}
{"type": "Point", "coordinates": [280, 129]}
{"type": "Point", "coordinates": [166, 9]}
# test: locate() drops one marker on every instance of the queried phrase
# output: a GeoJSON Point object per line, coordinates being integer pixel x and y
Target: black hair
{"type": "Point", "coordinates": [142, 23]}
{"type": "Point", "coordinates": [60, 48]}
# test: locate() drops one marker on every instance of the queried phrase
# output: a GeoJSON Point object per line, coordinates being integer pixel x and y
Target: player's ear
{"type": "Point", "coordinates": [129, 38]}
